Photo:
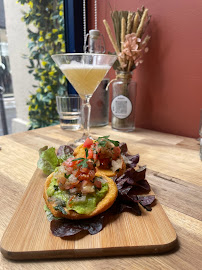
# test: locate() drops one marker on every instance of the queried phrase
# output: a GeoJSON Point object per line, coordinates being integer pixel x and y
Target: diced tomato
{"type": "Point", "coordinates": [76, 173]}
{"type": "Point", "coordinates": [86, 174]}
{"type": "Point", "coordinates": [84, 170]}
{"type": "Point", "coordinates": [95, 156]}
{"type": "Point", "coordinates": [61, 180]}
{"type": "Point", "coordinates": [91, 175]}
{"type": "Point", "coordinates": [74, 184]}
{"type": "Point", "coordinates": [116, 152]}
{"type": "Point", "coordinates": [91, 166]}
{"type": "Point", "coordinates": [105, 163]}
{"type": "Point", "coordinates": [98, 184]}
{"type": "Point", "coordinates": [90, 153]}
{"type": "Point", "coordinates": [83, 176]}
{"type": "Point", "coordinates": [69, 162]}
{"type": "Point", "coordinates": [88, 142]}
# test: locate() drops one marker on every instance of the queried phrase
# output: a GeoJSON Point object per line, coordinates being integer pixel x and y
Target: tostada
{"type": "Point", "coordinates": [105, 153]}
{"type": "Point", "coordinates": [76, 191]}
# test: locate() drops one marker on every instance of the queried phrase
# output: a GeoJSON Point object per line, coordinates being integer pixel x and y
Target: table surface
{"type": "Point", "coordinates": [176, 180]}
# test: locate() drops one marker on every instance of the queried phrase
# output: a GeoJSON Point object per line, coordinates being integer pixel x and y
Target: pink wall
{"type": "Point", "coordinates": [169, 81]}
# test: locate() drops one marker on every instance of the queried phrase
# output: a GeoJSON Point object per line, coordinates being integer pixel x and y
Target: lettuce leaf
{"type": "Point", "coordinates": [48, 160]}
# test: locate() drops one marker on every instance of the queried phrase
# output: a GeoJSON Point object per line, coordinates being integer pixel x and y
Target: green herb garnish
{"type": "Point", "coordinates": [86, 150]}
{"type": "Point", "coordinates": [67, 176]}
{"type": "Point", "coordinates": [83, 163]}
{"type": "Point", "coordinates": [81, 158]}
{"type": "Point", "coordinates": [103, 140]}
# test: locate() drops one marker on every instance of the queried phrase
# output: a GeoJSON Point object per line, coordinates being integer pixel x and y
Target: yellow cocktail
{"type": "Point", "coordinates": [84, 78]}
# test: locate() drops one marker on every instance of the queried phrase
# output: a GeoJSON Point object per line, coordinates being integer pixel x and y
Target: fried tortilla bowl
{"type": "Point", "coordinates": [102, 206]}
{"type": "Point", "coordinates": [79, 152]}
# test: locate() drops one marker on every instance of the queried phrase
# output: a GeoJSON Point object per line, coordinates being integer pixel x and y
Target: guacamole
{"type": "Point", "coordinates": [80, 203]}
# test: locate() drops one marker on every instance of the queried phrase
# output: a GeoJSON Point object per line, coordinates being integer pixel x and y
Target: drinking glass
{"type": "Point", "coordinates": [69, 110]}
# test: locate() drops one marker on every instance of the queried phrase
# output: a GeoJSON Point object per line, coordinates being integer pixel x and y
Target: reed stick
{"type": "Point", "coordinates": [135, 22]}
{"type": "Point", "coordinates": [129, 22]}
{"type": "Point", "coordinates": [114, 44]}
{"type": "Point", "coordinates": [109, 32]}
{"type": "Point", "coordinates": [117, 26]}
{"type": "Point", "coordinates": [140, 27]}
{"type": "Point", "coordinates": [123, 31]}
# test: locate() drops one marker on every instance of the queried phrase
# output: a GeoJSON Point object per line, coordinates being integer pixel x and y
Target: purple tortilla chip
{"type": "Point", "coordinates": [132, 160]}
{"type": "Point", "coordinates": [146, 200]}
{"type": "Point", "coordinates": [143, 185]}
{"type": "Point", "coordinates": [65, 150]}
{"type": "Point", "coordinates": [131, 177]}
{"type": "Point", "coordinates": [123, 147]}
{"type": "Point", "coordinates": [132, 207]}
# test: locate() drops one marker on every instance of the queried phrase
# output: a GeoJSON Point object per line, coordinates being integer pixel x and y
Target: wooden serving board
{"type": "Point", "coordinates": [28, 234]}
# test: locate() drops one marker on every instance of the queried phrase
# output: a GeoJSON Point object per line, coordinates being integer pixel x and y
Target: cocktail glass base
{"type": "Point", "coordinates": [82, 139]}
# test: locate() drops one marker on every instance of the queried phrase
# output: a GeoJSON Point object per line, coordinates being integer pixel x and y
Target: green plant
{"type": "Point", "coordinates": [45, 26]}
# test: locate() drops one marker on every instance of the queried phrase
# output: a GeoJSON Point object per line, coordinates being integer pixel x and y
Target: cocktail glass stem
{"type": "Point", "coordinates": [86, 109]}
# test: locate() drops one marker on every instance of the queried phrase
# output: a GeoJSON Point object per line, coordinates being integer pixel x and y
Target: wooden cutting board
{"type": "Point", "coordinates": [28, 234]}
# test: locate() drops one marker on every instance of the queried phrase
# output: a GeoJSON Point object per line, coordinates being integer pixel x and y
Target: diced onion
{"type": "Point", "coordinates": [80, 199]}
{"type": "Point", "coordinates": [72, 179]}
{"type": "Point", "coordinates": [88, 189]}
{"type": "Point", "coordinates": [62, 169]}
{"type": "Point", "coordinates": [73, 190]}
{"type": "Point", "coordinates": [126, 159]}
{"type": "Point", "coordinates": [116, 164]}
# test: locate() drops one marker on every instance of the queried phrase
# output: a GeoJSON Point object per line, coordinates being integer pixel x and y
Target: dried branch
{"type": "Point", "coordinates": [140, 27]}
{"type": "Point", "coordinates": [114, 44]}
{"type": "Point", "coordinates": [123, 31]}
{"type": "Point", "coordinates": [129, 22]}
{"type": "Point", "coordinates": [117, 27]}
{"type": "Point", "coordinates": [129, 27]}
{"type": "Point", "coordinates": [135, 22]}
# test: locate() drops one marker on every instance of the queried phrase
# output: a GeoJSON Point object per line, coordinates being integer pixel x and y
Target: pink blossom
{"type": "Point", "coordinates": [130, 47]}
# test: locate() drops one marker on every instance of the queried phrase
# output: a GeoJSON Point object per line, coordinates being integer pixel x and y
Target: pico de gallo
{"type": "Point", "coordinates": [75, 186]}
{"type": "Point", "coordinates": [104, 152]}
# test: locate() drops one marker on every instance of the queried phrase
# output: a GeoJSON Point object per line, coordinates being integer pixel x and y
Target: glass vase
{"type": "Point", "coordinates": [123, 102]}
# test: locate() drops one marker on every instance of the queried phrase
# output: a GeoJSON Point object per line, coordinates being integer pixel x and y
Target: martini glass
{"type": "Point", "coordinates": [84, 71]}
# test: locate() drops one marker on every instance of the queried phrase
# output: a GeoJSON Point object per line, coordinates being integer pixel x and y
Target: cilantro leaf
{"type": "Point", "coordinates": [115, 143]}
{"type": "Point", "coordinates": [102, 143]}
{"type": "Point", "coordinates": [86, 150]}
{"type": "Point", "coordinates": [103, 140]}
{"type": "Point", "coordinates": [67, 176]}
{"type": "Point", "coordinates": [83, 163]}
{"type": "Point", "coordinates": [81, 158]}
